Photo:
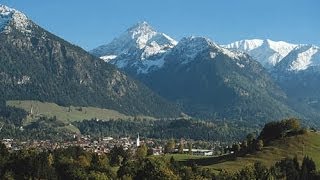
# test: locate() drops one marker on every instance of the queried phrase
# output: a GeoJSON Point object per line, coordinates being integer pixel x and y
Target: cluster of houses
{"type": "Point", "coordinates": [103, 145]}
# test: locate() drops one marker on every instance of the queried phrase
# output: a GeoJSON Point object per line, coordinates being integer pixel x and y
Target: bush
{"type": "Point", "coordinates": [275, 130]}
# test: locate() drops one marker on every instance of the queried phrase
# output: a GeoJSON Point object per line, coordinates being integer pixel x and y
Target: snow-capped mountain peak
{"type": "Point", "coordinates": [141, 26]}
{"type": "Point", "coordinates": [140, 47]}
{"type": "Point", "coordinates": [281, 47]}
{"type": "Point", "coordinates": [140, 37]}
{"type": "Point", "coordinates": [301, 58]}
{"type": "Point", "coordinates": [245, 45]}
{"type": "Point", "coordinates": [141, 33]}
{"type": "Point", "coordinates": [190, 47]}
{"type": "Point", "coordinates": [309, 57]}
{"type": "Point", "coordinates": [267, 52]}
{"type": "Point", "coordinates": [14, 17]}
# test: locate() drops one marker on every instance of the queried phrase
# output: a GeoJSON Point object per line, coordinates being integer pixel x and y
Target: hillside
{"type": "Point", "coordinates": [205, 79]}
{"type": "Point", "coordinates": [31, 119]}
{"type": "Point", "coordinates": [66, 114]}
{"type": "Point", "coordinates": [301, 145]}
{"type": "Point", "coordinates": [37, 65]}
{"type": "Point", "coordinates": [210, 81]}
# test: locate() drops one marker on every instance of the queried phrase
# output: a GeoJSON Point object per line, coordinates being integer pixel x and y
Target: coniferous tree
{"type": "Point", "coordinates": [308, 168]}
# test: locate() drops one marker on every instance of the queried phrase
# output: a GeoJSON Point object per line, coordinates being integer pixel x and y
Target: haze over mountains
{"type": "Point", "coordinates": [249, 80]}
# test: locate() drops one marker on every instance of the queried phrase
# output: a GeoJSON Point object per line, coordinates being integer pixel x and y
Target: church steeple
{"type": "Point", "coordinates": [138, 141]}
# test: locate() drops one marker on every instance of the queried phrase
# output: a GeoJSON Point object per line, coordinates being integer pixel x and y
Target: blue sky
{"type": "Point", "coordinates": [95, 22]}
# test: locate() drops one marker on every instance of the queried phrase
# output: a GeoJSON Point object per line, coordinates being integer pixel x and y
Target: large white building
{"type": "Point", "coordinates": [200, 152]}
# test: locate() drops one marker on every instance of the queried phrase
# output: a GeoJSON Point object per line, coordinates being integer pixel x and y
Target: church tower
{"type": "Point", "coordinates": [138, 141]}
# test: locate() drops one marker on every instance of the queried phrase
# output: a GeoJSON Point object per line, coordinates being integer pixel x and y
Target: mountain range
{"type": "Point", "coordinates": [279, 55]}
{"type": "Point", "coordinates": [207, 80]}
{"type": "Point", "coordinates": [294, 67]}
{"type": "Point", "coordinates": [240, 80]}
{"type": "Point", "coordinates": [141, 49]}
{"type": "Point", "coordinates": [147, 72]}
{"type": "Point", "coordinates": [267, 52]}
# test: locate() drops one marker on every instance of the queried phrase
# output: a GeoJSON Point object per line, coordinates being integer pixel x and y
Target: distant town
{"type": "Point", "coordinates": [105, 144]}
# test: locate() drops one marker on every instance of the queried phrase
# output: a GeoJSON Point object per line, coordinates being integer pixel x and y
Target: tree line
{"type": "Point", "coordinates": [165, 129]}
{"type": "Point", "coordinates": [75, 163]}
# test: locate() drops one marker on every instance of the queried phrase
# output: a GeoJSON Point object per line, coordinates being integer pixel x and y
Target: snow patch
{"type": "Point", "coordinates": [232, 54]}
{"type": "Point", "coordinates": [23, 80]}
{"type": "Point", "coordinates": [283, 48]}
{"type": "Point", "coordinates": [172, 41]}
{"type": "Point", "coordinates": [108, 58]}
{"type": "Point", "coordinates": [304, 60]}
{"type": "Point", "coordinates": [151, 50]}
{"type": "Point", "coordinates": [240, 65]}
{"type": "Point", "coordinates": [245, 45]}
{"type": "Point", "coordinates": [269, 53]}
{"type": "Point", "coordinates": [189, 47]}
{"type": "Point", "coordinates": [18, 19]}
{"type": "Point", "coordinates": [142, 33]}
{"type": "Point", "coordinates": [213, 55]}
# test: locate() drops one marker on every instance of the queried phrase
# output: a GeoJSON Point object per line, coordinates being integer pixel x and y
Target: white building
{"type": "Point", "coordinates": [200, 152]}
{"type": "Point", "coordinates": [138, 141]}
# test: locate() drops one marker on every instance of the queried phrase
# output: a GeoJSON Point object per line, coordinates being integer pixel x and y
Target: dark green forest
{"type": "Point", "coordinates": [166, 129]}
{"type": "Point", "coordinates": [53, 70]}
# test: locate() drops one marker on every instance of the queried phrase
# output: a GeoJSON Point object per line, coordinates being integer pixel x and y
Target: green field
{"type": "Point", "coordinates": [184, 157]}
{"type": "Point", "coordinates": [307, 144]}
{"type": "Point", "coordinates": [67, 114]}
